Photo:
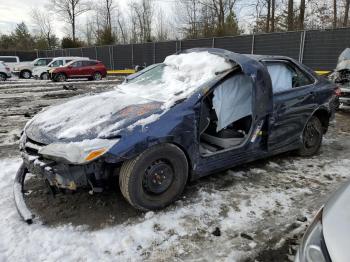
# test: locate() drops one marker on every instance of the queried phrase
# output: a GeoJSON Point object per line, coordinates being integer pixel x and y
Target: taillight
{"type": "Point", "coordinates": [337, 91]}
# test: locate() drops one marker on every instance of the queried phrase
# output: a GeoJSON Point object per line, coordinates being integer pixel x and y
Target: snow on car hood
{"type": "Point", "coordinates": [145, 98]}
{"type": "Point", "coordinates": [89, 117]}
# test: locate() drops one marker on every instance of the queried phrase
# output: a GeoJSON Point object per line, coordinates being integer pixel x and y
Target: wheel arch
{"type": "Point", "coordinates": [25, 70]}
{"type": "Point", "coordinates": [324, 116]}
{"type": "Point", "coordinates": [132, 153]}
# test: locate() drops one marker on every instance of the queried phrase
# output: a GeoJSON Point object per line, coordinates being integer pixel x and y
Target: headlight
{"type": "Point", "coordinates": [313, 247]}
{"type": "Point", "coordinates": [79, 152]}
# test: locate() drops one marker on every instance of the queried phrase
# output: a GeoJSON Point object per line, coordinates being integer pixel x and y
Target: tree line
{"type": "Point", "coordinates": [105, 22]}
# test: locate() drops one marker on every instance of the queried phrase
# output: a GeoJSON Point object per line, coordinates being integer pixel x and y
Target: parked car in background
{"type": "Point", "coordinates": [10, 61]}
{"type": "Point", "coordinates": [341, 76]}
{"type": "Point", "coordinates": [5, 71]}
{"type": "Point", "coordinates": [327, 238]}
{"type": "Point", "coordinates": [25, 69]}
{"type": "Point", "coordinates": [42, 72]}
{"type": "Point", "coordinates": [199, 112]}
{"type": "Point", "coordinates": [91, 69]}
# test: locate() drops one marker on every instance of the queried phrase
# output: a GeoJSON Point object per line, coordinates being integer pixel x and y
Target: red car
{"type": "Point", "coordinates": [91, 69]}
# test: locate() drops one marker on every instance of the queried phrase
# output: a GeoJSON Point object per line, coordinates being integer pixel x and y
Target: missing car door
{"type": "Point", "coordinates": [227, 115]}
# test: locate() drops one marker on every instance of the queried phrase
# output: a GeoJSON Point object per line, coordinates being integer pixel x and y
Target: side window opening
{"type": "Point", "coordinates": [226, 115]}
{"type": "Point", "coordinates": [77, 64]}
{"type": "Point", "coordinates": [285, 76]}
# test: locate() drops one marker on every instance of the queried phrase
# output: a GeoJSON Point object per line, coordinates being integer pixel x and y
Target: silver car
{"type": "Point", "coordinates": [327, 238]}
{"type": "Point", "coordinates": [5, 71]}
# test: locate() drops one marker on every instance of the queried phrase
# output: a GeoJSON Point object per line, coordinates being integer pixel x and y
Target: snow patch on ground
{"type": "Point", "coordinates": [261, 202]}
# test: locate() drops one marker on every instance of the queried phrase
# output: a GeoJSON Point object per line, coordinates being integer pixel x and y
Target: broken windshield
{"type": "Point", "coordinates": [176, 78]}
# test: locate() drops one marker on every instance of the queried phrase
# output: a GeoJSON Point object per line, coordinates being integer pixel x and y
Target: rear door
{"type": "Point", "coordinates": [293, 103]}
{"type": "Point", "coordinates": [76, 69]}
{"type": "Point", "coordinates": [88, 67]}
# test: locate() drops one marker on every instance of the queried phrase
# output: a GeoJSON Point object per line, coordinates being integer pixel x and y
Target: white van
{"type": "Point", "coordinates": [10, 61]}
{"type": "Point", "coordinates": [41, 72]}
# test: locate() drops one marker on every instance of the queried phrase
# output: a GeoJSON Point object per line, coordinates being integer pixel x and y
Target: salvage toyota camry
{"type": "Point", "coordinates": [198, 112]}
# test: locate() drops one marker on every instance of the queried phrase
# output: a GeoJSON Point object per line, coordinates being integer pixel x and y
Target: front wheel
{"type": "Point", "coordinates": [44, 76]}
{"type": "Point", "coordinates": [26, 74]}
{"type": "Point", "coordinates": [2, 77]}
{"type": "Point", "coordinates": [312, 137]}
{"type": "Point", "coordinates": [155, 178]}
{"type": "Point", "coordinates": [61, 78]}
{"type": "Point", "coordinates": [97, 76]}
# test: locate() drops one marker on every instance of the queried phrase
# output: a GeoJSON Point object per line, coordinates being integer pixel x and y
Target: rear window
{"type": "Point", "coordinates": [8, 59]}
{"type": "Point", "coordinates": [89, 63]}
{"type": "Point", "coordinates": [56, 63]}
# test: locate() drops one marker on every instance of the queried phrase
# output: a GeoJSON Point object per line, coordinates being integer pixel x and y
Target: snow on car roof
{"type": "Point", "coordinates": [177, 77]}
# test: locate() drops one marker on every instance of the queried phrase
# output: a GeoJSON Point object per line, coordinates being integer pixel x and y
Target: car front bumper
{"type": "Point", "coordinates": [344, 99]}
{"type": "Point", "coordinates": [56, 173]}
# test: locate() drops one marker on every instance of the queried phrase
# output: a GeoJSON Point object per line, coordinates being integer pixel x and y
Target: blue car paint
{"type": "Point", "coordinates": [284, 116]}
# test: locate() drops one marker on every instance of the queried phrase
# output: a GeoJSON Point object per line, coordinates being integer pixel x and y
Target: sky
{"type": "Point", "coordinates": [16, 11]}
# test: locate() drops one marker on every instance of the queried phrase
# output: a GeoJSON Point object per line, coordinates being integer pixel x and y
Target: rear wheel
{"type": "Point", "coordinates": [26, 74]}
{"type": "Point", "coordinates": [44, 76]}
{"type": "Point", "coordinates": [2, 77]}
{"type": "Point", "coordinates": [312, 137]}
{"type": "Point", "coordinates": [155, 178]}
{"type": "Point", "coordinates": [61, 77]}
{"type": "Point", "coordinates": [97, 76]}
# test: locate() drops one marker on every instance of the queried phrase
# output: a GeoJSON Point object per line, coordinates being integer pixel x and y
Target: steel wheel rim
{"type": "Point", "coordinates": [158, 177]}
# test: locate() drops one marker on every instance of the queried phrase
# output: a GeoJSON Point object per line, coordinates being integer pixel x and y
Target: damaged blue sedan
{"type": "Point", "coordinates": [199, 112]}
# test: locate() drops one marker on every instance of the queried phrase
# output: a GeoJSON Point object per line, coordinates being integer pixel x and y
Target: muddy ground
{"type": "Point", "coordinates": [257, 212]}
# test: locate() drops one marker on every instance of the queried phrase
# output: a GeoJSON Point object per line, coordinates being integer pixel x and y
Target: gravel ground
{"type": "Point", "coordinates": [255, 212]}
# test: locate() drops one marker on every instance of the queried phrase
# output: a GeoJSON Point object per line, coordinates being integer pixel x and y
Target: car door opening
{"type": "Point", "coordinates": [226, 114]}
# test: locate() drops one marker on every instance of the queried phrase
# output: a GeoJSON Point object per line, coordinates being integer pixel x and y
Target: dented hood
{"type": "Point", "coordinates": [95, 116]}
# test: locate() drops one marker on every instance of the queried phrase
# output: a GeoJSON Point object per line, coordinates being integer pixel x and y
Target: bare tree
{"type": "Point", "coordinates": [273, 11]}
{"type": "Point", "coordinates": [162, 30]}
{"type": "Point", "coordinates": [301, 14]}
{"type": "Point", "coordinates": [141, 16]}
{"type": "Point", "coordinates": [120, 26]}
{"type": "Point", "coordinates": [290, 17]}
{"type": "Point", "coordinates": [335, 15]}
{"type": "Point", "coordinates": [70, 10]}
{"type": "Point", "coordinates": [346, 13]}
{"type": "Point", "coordinates": [268, 17]}
{"type": "Point", "coordinates": [221, 9]}
{"type": "Point", "coordinates": [188, 17]}
{"type": "Point", "coordinates": [42, 20]}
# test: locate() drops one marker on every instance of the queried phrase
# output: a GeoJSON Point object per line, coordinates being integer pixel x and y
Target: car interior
{"type": "Point", "coordinates": [226, 115]}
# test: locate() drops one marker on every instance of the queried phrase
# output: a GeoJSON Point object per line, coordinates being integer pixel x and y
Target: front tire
{"type": "Point", "coordinates": [44, 76]}
{"type": "Point", "coordinates": [61, 77]}
{"type": "Point", "coordinates": [26, 74]}
{"type": "Point", "coordinates": [312, 137]}
{"type": "Point", "coordinates": [3, 77]}
{"type": "Point", "coordinates": [97, 76]}
{"type": "Point", "coordinates": [155, 178]}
